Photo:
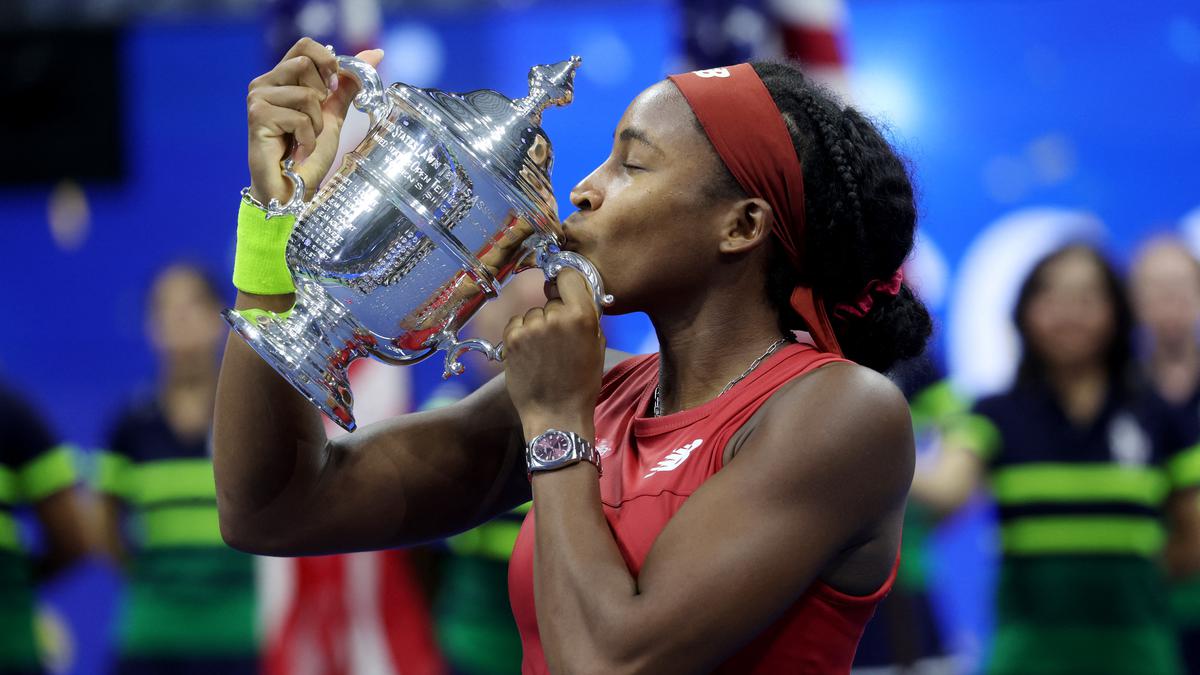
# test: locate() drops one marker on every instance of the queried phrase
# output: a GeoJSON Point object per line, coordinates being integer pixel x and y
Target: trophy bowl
{"type": "Point", "coordinates": [446, 197]}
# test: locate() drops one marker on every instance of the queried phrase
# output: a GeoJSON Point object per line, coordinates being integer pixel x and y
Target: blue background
{"type": "Point", "coordinates": [1001, 105]}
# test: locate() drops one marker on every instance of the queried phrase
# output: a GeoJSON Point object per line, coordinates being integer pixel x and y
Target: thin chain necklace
{"type": "Point", "coordinates": [756, 363]}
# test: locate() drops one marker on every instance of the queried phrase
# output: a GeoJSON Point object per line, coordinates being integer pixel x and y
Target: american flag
{"type": "Point", "coordinates": [810, 32]}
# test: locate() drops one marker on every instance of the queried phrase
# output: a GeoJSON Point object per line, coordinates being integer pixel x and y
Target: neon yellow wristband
{"type": "Point", "coordinates": [259, 265]}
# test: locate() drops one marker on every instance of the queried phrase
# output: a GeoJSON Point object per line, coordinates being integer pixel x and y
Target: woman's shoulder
{"type": "Point", "coordinates": [842, 427]}
{"type": "Point", "coordinates": [846, 403]}
{"type": "Point", "coordinates": [853, 386]}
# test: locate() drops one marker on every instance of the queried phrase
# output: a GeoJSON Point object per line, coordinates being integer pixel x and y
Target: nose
{"type": "Point", "coordinates": [586, 196]}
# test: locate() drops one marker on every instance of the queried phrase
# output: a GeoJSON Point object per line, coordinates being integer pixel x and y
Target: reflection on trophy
{"type": "Point", "coordinates": [444, 200]}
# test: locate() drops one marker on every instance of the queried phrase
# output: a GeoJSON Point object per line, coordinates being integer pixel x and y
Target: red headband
{"type": "Point", "coordinates": [747, 130]}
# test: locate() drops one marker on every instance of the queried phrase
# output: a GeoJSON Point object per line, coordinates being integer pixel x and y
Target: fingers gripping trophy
{"type": "Point", "coordinates": [444, 200]}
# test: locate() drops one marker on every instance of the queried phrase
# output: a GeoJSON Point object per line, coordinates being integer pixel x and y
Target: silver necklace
{"type": "Point", "coordinates": [756, 363]}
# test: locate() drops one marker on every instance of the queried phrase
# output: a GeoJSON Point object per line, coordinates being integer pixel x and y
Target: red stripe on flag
{"type": "Point", "coordinates": [405, 615]}
{"type": "Point", "coordinates": [317, 619]}
{"type": "Point", "coordinates": [813, 46]}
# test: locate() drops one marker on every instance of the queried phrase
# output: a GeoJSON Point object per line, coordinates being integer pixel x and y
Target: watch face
{"type": "Point", "coordinates": [552, 447]}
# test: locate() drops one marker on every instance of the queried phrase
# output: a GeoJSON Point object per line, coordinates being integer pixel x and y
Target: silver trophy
{"type": "Point", "coordinates": [444, 200]}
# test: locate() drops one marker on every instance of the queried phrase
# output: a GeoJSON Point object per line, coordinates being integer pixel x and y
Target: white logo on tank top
{"type": "Point", "coordinates": [1128, 441]}
{"type": "Point", "coordinates": [673, 460]}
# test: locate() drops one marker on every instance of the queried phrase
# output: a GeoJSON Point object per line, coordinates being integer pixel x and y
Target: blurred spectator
{"type": "Point", "coordinates": [473, 616]}
{"type": "Point", "coordinates": [1165, 287]}
{"type": "Point", "coordinates": [34, 471]}
{"type": "Point", "coordinates": [189, 604]}
{"type": "Point", "coordinates": [1081, 459]}
{"type": "Point", "coordinates": [905, 635]}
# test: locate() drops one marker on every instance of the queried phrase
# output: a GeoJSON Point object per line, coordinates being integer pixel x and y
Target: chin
{"type": "Point", "coordinates": [629, 300]}
{"type": "Point", "coordinates": [602, 270]}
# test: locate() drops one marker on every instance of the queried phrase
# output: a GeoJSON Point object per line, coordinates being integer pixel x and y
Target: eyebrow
{"type": "Point", "coordinates": [634, 134]}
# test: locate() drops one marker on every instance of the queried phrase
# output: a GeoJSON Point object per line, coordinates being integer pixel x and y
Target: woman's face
{"type": "Point", "coordinates": [183, 318]}
{"type": "Point", "coordinates": [645, 216]}
{"type": "Point", "coordinates": [1165, 288]}
{"type": "Point", "coordinates": [1070, 318]}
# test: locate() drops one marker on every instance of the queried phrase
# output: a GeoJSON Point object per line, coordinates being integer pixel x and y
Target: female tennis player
{"type": "Point", "coordinates": [730, 504]}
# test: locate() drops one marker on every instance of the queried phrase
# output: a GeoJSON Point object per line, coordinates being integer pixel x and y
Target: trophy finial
{"type": "Point", "coordinates": [552, 84]}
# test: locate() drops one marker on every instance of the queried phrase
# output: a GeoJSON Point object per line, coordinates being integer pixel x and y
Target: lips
{"type": "Point", "coordinates": [569, 243]}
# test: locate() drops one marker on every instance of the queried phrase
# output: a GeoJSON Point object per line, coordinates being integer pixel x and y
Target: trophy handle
{"type": "Point", "coordinates": [448, 341]}
{"type": "Point", "coordinates": [369, 99]}
{"type": "Point", "coordinates": [295, 204]}
{"type": "Point", "coordinates": [552, 260]}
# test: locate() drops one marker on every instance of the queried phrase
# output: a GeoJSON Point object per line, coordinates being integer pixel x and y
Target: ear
{"type": "Point", "coordinates": [747, 225]}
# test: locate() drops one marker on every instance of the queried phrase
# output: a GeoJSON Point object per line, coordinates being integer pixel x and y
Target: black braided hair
{"type": "Point", "coordinates": [860, 221]}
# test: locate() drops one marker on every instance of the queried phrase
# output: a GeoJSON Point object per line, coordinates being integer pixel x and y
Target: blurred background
{"type": "Point", "coordinates": [1028, 125]}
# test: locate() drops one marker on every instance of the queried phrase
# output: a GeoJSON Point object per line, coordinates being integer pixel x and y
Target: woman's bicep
{"type": "Point", "coordinates": [410, 479]}
{"type": "Point", "coordinates": [405, 480]}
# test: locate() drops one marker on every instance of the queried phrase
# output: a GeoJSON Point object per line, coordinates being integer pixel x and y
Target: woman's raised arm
{"type": "Point", "coordinates": [283, 488]}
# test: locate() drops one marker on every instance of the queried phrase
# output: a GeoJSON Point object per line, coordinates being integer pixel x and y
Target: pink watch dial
{"type": "Point", "coordinates": [552, 447]}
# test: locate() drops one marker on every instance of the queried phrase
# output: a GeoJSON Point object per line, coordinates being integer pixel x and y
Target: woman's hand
{"type": "Point", "coordinates": [554, 359]}
{"type": "Point", "coordinates": [295, 102]}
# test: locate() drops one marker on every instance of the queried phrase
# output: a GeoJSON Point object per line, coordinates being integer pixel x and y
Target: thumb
{"type": "Point", "coordinates": [347, 87]}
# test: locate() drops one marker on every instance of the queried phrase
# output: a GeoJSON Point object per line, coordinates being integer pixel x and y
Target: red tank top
{"type": "Point", "coordinates": [651, 465]}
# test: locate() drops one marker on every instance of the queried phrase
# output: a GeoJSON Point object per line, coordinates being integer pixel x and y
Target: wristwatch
{"type": "Point", "coordinates": [555, 449]}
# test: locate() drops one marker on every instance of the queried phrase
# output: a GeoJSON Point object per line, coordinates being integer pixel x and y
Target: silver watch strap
{"type": "Point", "coordinates": [582, 450]}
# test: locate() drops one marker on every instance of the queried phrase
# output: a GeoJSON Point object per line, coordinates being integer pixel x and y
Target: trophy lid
{"type": "Point", "coordinates": [549, 85]}
{"type": "Point", "coordinates": [504, 135]}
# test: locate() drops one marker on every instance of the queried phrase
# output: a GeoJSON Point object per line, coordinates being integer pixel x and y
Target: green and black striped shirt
{"type": "Point", "coordinates": [1081, 528]}
{"type": "Point", "coordinates": [188, 594]}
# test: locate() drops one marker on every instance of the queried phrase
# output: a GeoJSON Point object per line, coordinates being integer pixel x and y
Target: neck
{"type": "Point", "coordinates": [703, 348]}
{"type": "Point", "coordinates": [187, 374]}
{"type": "Point", "coordinates": [1081, 390]}
{"type": "Point", "coordinates": [1175, 368]}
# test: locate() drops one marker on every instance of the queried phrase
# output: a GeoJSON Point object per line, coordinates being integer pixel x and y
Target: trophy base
{"type": "Point", "coordinates": [310, 347]}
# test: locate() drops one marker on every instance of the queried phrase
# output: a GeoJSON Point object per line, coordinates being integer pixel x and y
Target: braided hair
{"type": "Point", "coordinates": [860, 214]}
